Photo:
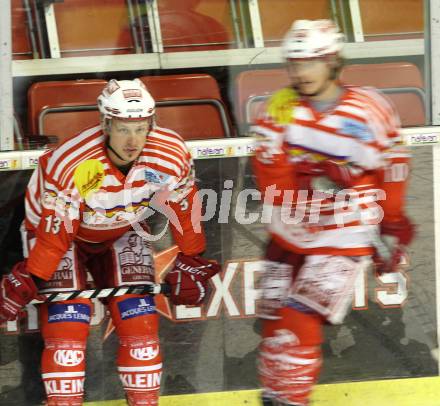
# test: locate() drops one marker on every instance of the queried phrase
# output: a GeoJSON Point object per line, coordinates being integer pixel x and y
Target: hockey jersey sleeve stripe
{"type": "Point", "coordinates": [33, 217]}
{"type": "Point", "coordinates": [163, 164]}
{"type": "Point", "coordinates": [266, 132]}
{"type": "Point", "coordinates": [349, 149]}
{"type": "Point", "coordinates": [269, 124]}
{"type": "Point", "coordinates": [95, 152]}
{"type": "Point", "coordinates": [334, 136]}
{"type": "Point", "coordinates": [173, 144]}
{"type": "Point", "coordinates": [381, 103]}
{"type": "Point", "coordinates": [70, 146]}
{"type": "Point", "coordinates": [381, 107]}
{"type": "Point", "coordinates": [164, 155]}
{"type": "Point", "coordinates": [350, 112]}
{"type": "Point", "coordinates": [380, 130]}
{"type": "Point", "coordinates": [374, 113]}
{"type": "Point", "coordinates": [32, 198]}
{"type": "Point", "coordinates": [177, 154]}
{"type": "Point", "coordinates": [380, 114]}
{"type": "Point", "coordinates": [74, 156]}
{"type": "Point", "coordinates": [32, 203]}
{"type": "Point", "coordinates": [171, 138]}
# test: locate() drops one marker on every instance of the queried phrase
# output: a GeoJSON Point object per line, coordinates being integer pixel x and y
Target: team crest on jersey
{"type": "Point", "coordinates": [49, 199]}
{"type": "Point", "coordinates": [155, 176]}
{"type": "Point", "coordinates": [134, 259]}
{"type": "Point", "coordinates": [357, 129]}
{"type": "Point", "coordinates": [88, 176]}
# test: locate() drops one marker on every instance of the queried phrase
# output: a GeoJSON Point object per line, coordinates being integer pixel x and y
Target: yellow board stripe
{"type": "Point", "coordinates": [392, 392]}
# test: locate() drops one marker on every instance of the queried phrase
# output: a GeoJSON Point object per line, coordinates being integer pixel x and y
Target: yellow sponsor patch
{"type": "Point", "coordinates": [88, 176]}
{"type": "Point", "coordinates": [281, 105]}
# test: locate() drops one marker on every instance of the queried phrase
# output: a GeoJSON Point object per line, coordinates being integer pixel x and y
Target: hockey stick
{"type": "Point", "coordinates": [384, 252]}
{"type": "Point", "coordinates": [152, 289]}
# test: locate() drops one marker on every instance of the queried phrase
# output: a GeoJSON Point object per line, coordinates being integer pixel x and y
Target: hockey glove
{"type": "Point", "coordinates": [17, 289]}
{"type": "Point", "coordinates": [306, 170]}
{"type": "Point", "coordinates": [402, 233]}
{"type": "Point", "coordinates": [189, 279]}
{"type": "Point", "coordinates": [342, 174]}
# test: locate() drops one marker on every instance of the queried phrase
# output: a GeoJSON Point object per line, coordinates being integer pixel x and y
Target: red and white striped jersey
{"type": "Point", "coordinates": [76, 193]}
{"type": "Point", "coordinates": [360, 131]}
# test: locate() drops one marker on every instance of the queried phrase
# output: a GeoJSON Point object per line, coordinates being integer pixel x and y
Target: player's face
{"type": "Point", "coordinates": [128, 138]}
{"type": "Point", "coordinates": [309, 77]}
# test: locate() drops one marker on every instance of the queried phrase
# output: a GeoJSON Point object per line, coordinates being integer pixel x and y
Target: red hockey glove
{"type": "Point", "coordinates": [17, 289]}
{"type": "Point", "coordinates": [306, 171]}
{"type": "Point", "coordinates": [307, 167]}
{"type": "Point", "coordinates": [399, 261]}
{"type": "Point", "coordinates": [402, 229]}
{"type": "Point", "coordinates": [189, 279]}
{"type": "Point", "coordinates": [403, 232]}
{"type": "Point", "coordinates": [344, 175]}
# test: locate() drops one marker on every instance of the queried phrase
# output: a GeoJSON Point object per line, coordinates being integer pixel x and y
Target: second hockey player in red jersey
{"type": "Point", "coordinates": [331, 165]}
{"type": "Point", "coordinates": [86, 206]}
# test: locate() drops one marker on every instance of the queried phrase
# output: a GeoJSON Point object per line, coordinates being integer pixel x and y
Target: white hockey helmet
{"type": "Point", "coordinates": [312, 39]}
{"type": "Point", "coordinates": [126, 99]}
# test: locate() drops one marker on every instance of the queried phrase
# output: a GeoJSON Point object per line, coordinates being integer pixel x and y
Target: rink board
{"type": "Point", "coordinates": [210, 351]}
{"type": "Point", "coordinates": [398, 392]}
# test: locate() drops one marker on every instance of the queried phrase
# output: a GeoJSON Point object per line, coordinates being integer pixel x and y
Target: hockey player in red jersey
{"type": "Point", "coordinates": [86, 209]}
{"type": "Point", "coordinates": [330, 163]}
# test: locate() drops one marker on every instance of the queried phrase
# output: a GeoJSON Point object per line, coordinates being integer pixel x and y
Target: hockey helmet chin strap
{"type": "Point", "coordinates": [107, 144]}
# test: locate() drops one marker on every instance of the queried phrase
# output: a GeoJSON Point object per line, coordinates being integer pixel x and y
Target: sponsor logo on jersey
{"type": "Point", "coordinates": [154, 176]}
{"type": "Point", "coordinates": [149, 380]}
{"type": "Point", "coordinates": [73, 312]}
{"type": "Point", "coordinates": [357, 129]}
{"type": "Point", "coordinates": [145, 353]}
{"type": "Point", "coordinates": [49, 199]}
{"type": "Point", "coordinates": [134, 307]}
{"type": "Point", "coordinates": [135, 260]}
{"type": "Point", "coordinates": [64, 386]}
{"type": "Point", "coordinates": [88, 176]}
{"type": "Point", "coordinates": [68, 358]}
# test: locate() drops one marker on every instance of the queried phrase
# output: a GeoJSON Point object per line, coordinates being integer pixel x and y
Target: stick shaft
{"type": "Point", "coordinates": [152, 289]}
